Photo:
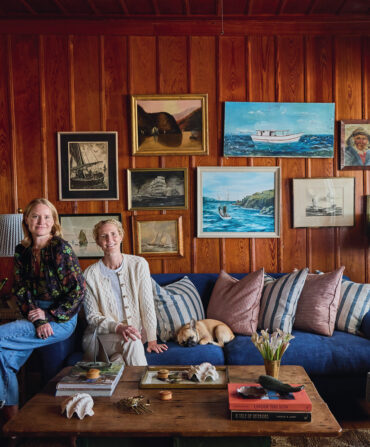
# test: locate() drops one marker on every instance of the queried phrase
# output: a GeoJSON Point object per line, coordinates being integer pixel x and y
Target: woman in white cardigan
{"type": "Point", "coordinates": [119, 301]}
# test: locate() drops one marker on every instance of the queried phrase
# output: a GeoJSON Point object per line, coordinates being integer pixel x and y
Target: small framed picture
{"type": "Point", "coordinates": [355, 144]}
{"type": "Point", "coordinates": [78, 231]}
{"type": "Point", "coordinates": [169, 124]}
{"type": "Point", "coordinates": [156, 189]}
{"type": "Point", "coordinates": [158, 236]}
{"type": "Point", "coordinates": [87, 166]}
{"type": "Point", "coordinates": [324, 202]}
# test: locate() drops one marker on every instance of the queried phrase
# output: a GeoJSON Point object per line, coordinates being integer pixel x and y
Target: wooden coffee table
{"type": "Point", "coordinates": [190, 413]}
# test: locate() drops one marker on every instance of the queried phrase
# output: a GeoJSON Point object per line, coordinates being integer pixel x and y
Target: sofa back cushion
{"type": "Point", "coordinates": [237, 302]}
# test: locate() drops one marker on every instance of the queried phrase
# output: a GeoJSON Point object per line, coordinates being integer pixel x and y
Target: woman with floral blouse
{"type": "Point", "coordinates": [49, 287]}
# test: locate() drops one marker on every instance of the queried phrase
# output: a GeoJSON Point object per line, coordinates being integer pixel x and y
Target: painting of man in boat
{"type": "Point", "coordinates": [272, 129]}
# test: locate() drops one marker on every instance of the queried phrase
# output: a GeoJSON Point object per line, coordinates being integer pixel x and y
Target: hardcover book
{"type": "Point", "coordinates": [267, 400]}
{"type": "Point", "coordinates": [288, 416]}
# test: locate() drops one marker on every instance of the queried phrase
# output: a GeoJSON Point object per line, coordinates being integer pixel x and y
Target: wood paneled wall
{"type": "Point", "coordinates": [73, 82]}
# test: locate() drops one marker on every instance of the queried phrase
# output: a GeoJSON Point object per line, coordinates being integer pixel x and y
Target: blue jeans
{"type": "Point", "coordinates": [17, 341]}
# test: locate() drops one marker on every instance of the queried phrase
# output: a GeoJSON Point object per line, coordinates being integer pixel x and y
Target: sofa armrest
{"type": "Point", "coordinates": [365, 325]}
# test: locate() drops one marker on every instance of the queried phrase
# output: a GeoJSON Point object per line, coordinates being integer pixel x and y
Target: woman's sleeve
{"type": "Point", "coordinates": [147, 308]}
{"type": "Point", "coordinates": [20, 289]}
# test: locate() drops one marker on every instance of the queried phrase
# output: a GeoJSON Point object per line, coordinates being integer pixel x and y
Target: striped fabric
{"type": "Point", "coordinates": [279, 301]}
{"type": "Point", "coordinates": [176, 304]}
{"type": "Point", "coordinates": [353, 305]}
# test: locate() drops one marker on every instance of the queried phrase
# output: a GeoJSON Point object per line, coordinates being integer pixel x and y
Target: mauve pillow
{"type": "Point", "coordinates": [318, 304]}
{"type": "Point", "coordinates": [237, 302]}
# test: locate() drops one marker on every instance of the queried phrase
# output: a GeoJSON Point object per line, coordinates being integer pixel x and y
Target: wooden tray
{"type": "Point", "coordinates": [150, 380]}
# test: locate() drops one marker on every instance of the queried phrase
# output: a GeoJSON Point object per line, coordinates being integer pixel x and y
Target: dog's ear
{"type": "Point", "coordinates": [192, 324]}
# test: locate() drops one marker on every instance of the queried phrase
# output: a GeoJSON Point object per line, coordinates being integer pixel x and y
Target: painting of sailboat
{"type": "Point", "coordinates": [278, 129]}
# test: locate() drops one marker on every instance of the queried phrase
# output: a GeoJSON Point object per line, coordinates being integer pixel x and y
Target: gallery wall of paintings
{"type": "Point", "coordinates": [275, 86]}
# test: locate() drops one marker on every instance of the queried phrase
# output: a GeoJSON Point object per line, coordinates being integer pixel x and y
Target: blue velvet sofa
{"type": "Point", "coordinates": [337, 365]}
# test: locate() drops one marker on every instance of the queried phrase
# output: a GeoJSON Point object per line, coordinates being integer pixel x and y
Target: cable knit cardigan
{"type": "Point", "coordinates": [137, 296]}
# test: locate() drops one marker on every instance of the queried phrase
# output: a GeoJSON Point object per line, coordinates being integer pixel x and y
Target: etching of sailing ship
{"type": "Point", "coordinates": [323, 205]}
{"type": "Point", "coordinates": [86, 171]}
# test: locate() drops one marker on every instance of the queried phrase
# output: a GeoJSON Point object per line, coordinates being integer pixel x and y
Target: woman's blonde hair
{"type": "Point", "coordinates": [115, 222]}
{"type": "Point", "coordinates": [56, 229]}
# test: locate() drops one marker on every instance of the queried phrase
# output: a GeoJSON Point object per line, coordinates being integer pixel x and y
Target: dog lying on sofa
{"type": "Point", "coordinates": [204, 332]}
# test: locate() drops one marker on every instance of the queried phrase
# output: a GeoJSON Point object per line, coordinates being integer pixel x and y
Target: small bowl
{"type": "Point", "coordinates": [165, 395]}
{"type": "Point", "coordinates": [93, 374]}
{"type": "Point", "coordinates": [163, 374]}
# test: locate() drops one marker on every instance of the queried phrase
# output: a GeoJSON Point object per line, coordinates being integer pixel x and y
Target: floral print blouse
{"type": "Point", "coordinates": [58, 279]}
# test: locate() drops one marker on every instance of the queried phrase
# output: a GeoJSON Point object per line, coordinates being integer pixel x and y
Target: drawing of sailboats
{"type": "Point", "coordinates": [82, 239]}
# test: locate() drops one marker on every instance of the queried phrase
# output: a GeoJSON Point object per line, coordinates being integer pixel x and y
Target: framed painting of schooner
{"type": "Point", "coordinates": [87, 166]}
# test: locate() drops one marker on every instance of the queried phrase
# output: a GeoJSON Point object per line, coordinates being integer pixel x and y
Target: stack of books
{"type": "Point", "coordinates": [77, 382]}
{"type": "Point", "coordinates": [270, 406]}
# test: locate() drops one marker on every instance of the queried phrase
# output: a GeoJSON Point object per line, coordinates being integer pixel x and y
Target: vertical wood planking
{"type": "Point", "coordinates": [366, 115]}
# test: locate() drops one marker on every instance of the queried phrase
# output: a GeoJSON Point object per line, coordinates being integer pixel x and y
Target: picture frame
{"type": "Point", "coordinates": [169, 124]}
{"type": "Point", "coordinates": [368, 215]}
{"type": "Point", "coordinates": [157, 189]}
{"type": "Point", "coordinates": [158, 236]}
{"type": "Point", "coordinates": [279, 129]}
{"type": "Point", "coordinates": [355, 144]}
{"type": "Point", "coordinates": [323, 202]}
{"type": "Point", "coordinates": [238, 202]}
{"type": "Point", "coordinates": [88, 166]}
{"type": "Point", "coordinates": [78, 231]}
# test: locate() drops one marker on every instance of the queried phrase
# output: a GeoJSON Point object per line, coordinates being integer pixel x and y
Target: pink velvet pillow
{"type": "Point", "coordinates": [237, 302]}
{"type": "Point", "coordinates": [318, 304]}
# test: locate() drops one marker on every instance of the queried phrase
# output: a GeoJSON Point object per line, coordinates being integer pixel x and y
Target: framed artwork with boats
{"type": "Point", "coordinates": [158, 236]}
{"type": "Point", "coordinates": [279, 129]}
{"type": "Point", "coordinates": [169, 124]}
{"type": "Point", "coordinates": [87, 166]}
{"type": "Point", "coordinates": [157, 189]}
{"type": "Point", "coordinates": [324, 202]}
{"type": "Point", "coordinates": [237, 202]}
{"type": "Point", "coordinates": [78, 231]}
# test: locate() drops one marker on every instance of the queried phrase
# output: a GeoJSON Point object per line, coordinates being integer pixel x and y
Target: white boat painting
{"type": "Point", "coordinates": [273, 129]}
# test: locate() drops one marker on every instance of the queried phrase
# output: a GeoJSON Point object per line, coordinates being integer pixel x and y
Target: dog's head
{"type": "Point", "coordinates": [187, 335]}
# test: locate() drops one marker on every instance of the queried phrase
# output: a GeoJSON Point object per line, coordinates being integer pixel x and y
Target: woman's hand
{"type": "Point", "coordinates": [154, 346]}
{"type": "Point", "coordinates": [36, 314]}
{"type": "Point", "coordinates": [44, 331]}
{"type": "Point", "coordinates": [128, 332]}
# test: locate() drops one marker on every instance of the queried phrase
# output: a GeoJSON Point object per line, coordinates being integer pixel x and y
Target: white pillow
{"type": "Point", "coordinates": [175, 305]}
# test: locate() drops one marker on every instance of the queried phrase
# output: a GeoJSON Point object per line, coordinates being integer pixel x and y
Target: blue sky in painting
{"type": "Point", "coordinates": [235, 185]}
{"type": "Point", "coordinates": [309, 118]}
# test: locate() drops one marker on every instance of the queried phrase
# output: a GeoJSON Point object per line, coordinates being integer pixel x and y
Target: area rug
{"type": "Point", "coordinates": [349, 438]}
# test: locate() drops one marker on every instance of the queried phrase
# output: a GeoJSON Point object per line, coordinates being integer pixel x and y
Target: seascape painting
{"type": "Point", "coordinates": [273, 129]}
{"type": "Point", "coordinates": [238, 202]}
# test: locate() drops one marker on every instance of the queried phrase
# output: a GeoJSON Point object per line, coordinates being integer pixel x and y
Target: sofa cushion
{"type": "Point", "coordinates": [279, 301]}
{"type": "Point", "coordinates": [365, 325]}
{"type": "Point", "coordinates": [318, 303]}
{"type": "Point", "coordinates": [353, 305]}
{"type": "Point", "coordinates": [237, 302]}
{"type": "Point", "coordinates": [176, 304]}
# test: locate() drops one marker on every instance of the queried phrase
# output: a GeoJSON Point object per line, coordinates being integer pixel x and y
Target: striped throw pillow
{"type": "Point", "coordinates": [279, 301]}
{"type": "Point", "coordinates": [175, 305]}
{"type": "Point", "coordinates": [354, 303]}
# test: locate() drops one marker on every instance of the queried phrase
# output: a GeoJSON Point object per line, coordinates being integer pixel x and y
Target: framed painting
{"type": "Point", "coordinates": [355, 144]}
{"type": "Point", "coordinates": [157, 189]}
{"type": "Point", "coordinates": [237, 202]}
{"type": "Point", "coordinates": [279, 129]}
{"type": "Point", "coordinates": [159, 236]}
{"type": "Point", "coordinates": [87, 166]}
{"type": "Point", "coordinates": [324, 202]}
{"type": "Point", "coordinates": [78, 231]}
{"type": "Point", "coordinates": [169, 124]}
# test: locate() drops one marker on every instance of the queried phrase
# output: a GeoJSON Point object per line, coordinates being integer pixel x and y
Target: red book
{"type": "Point", "coordinates": [269, 401]}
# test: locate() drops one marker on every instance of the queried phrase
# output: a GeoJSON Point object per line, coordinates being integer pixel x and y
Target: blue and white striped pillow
{"type": "Point", "coordinates": [175, 305]}
{"type": "Point", "coordinates": [279, 301]}
{"type": "Point", "coordinates": [353, 305]}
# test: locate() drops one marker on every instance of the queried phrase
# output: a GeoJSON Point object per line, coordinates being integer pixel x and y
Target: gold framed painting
{"type": "Point", "coordinates": [169, 124]}
{"type": "Point", "coordinates": [158, 236]}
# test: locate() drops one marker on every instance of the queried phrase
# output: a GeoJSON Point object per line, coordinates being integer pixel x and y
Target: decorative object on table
{"type": "Point", "coordinates": [169, 124]}
{"type": "Point", "coordinates": [157, 189]}
{"type": "Point", "coordinates": [205, 372]}
{"type": "Point", "coordinates": [134, 404]}
{"type": "Point", "coordinates": [270, 383]}
{"type": "Point", "coordinates": [238, 202]}
{"type": "Point", "coordinates": [93, 374]}
{"type": "Point", "coordinates": [278, 129]}
{"type": "Point", "coordinates": [163, 374]}
{"type": "Point", "coordinates": [165, 395]}
{"type": "Point", "coordinates": [355, 144]}
{"type": "Point", "coordinates": [272, 347]}
{"type": "Point", "coordinates": [323, 202]}
{"type": "Point", "coordinates": [11, 233]}
{"type": "Point", "coordinates": [78, 231]}
{"type": "Point", "coordinates": [158, 236]}
{"type": "Point", "coordinates": [80, 404]}
{"type": "Point", "coordinates": [87, 166]}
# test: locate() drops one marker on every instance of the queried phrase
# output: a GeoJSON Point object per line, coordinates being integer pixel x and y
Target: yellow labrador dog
{"type": "Point", "coordinates": [204, 332]}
